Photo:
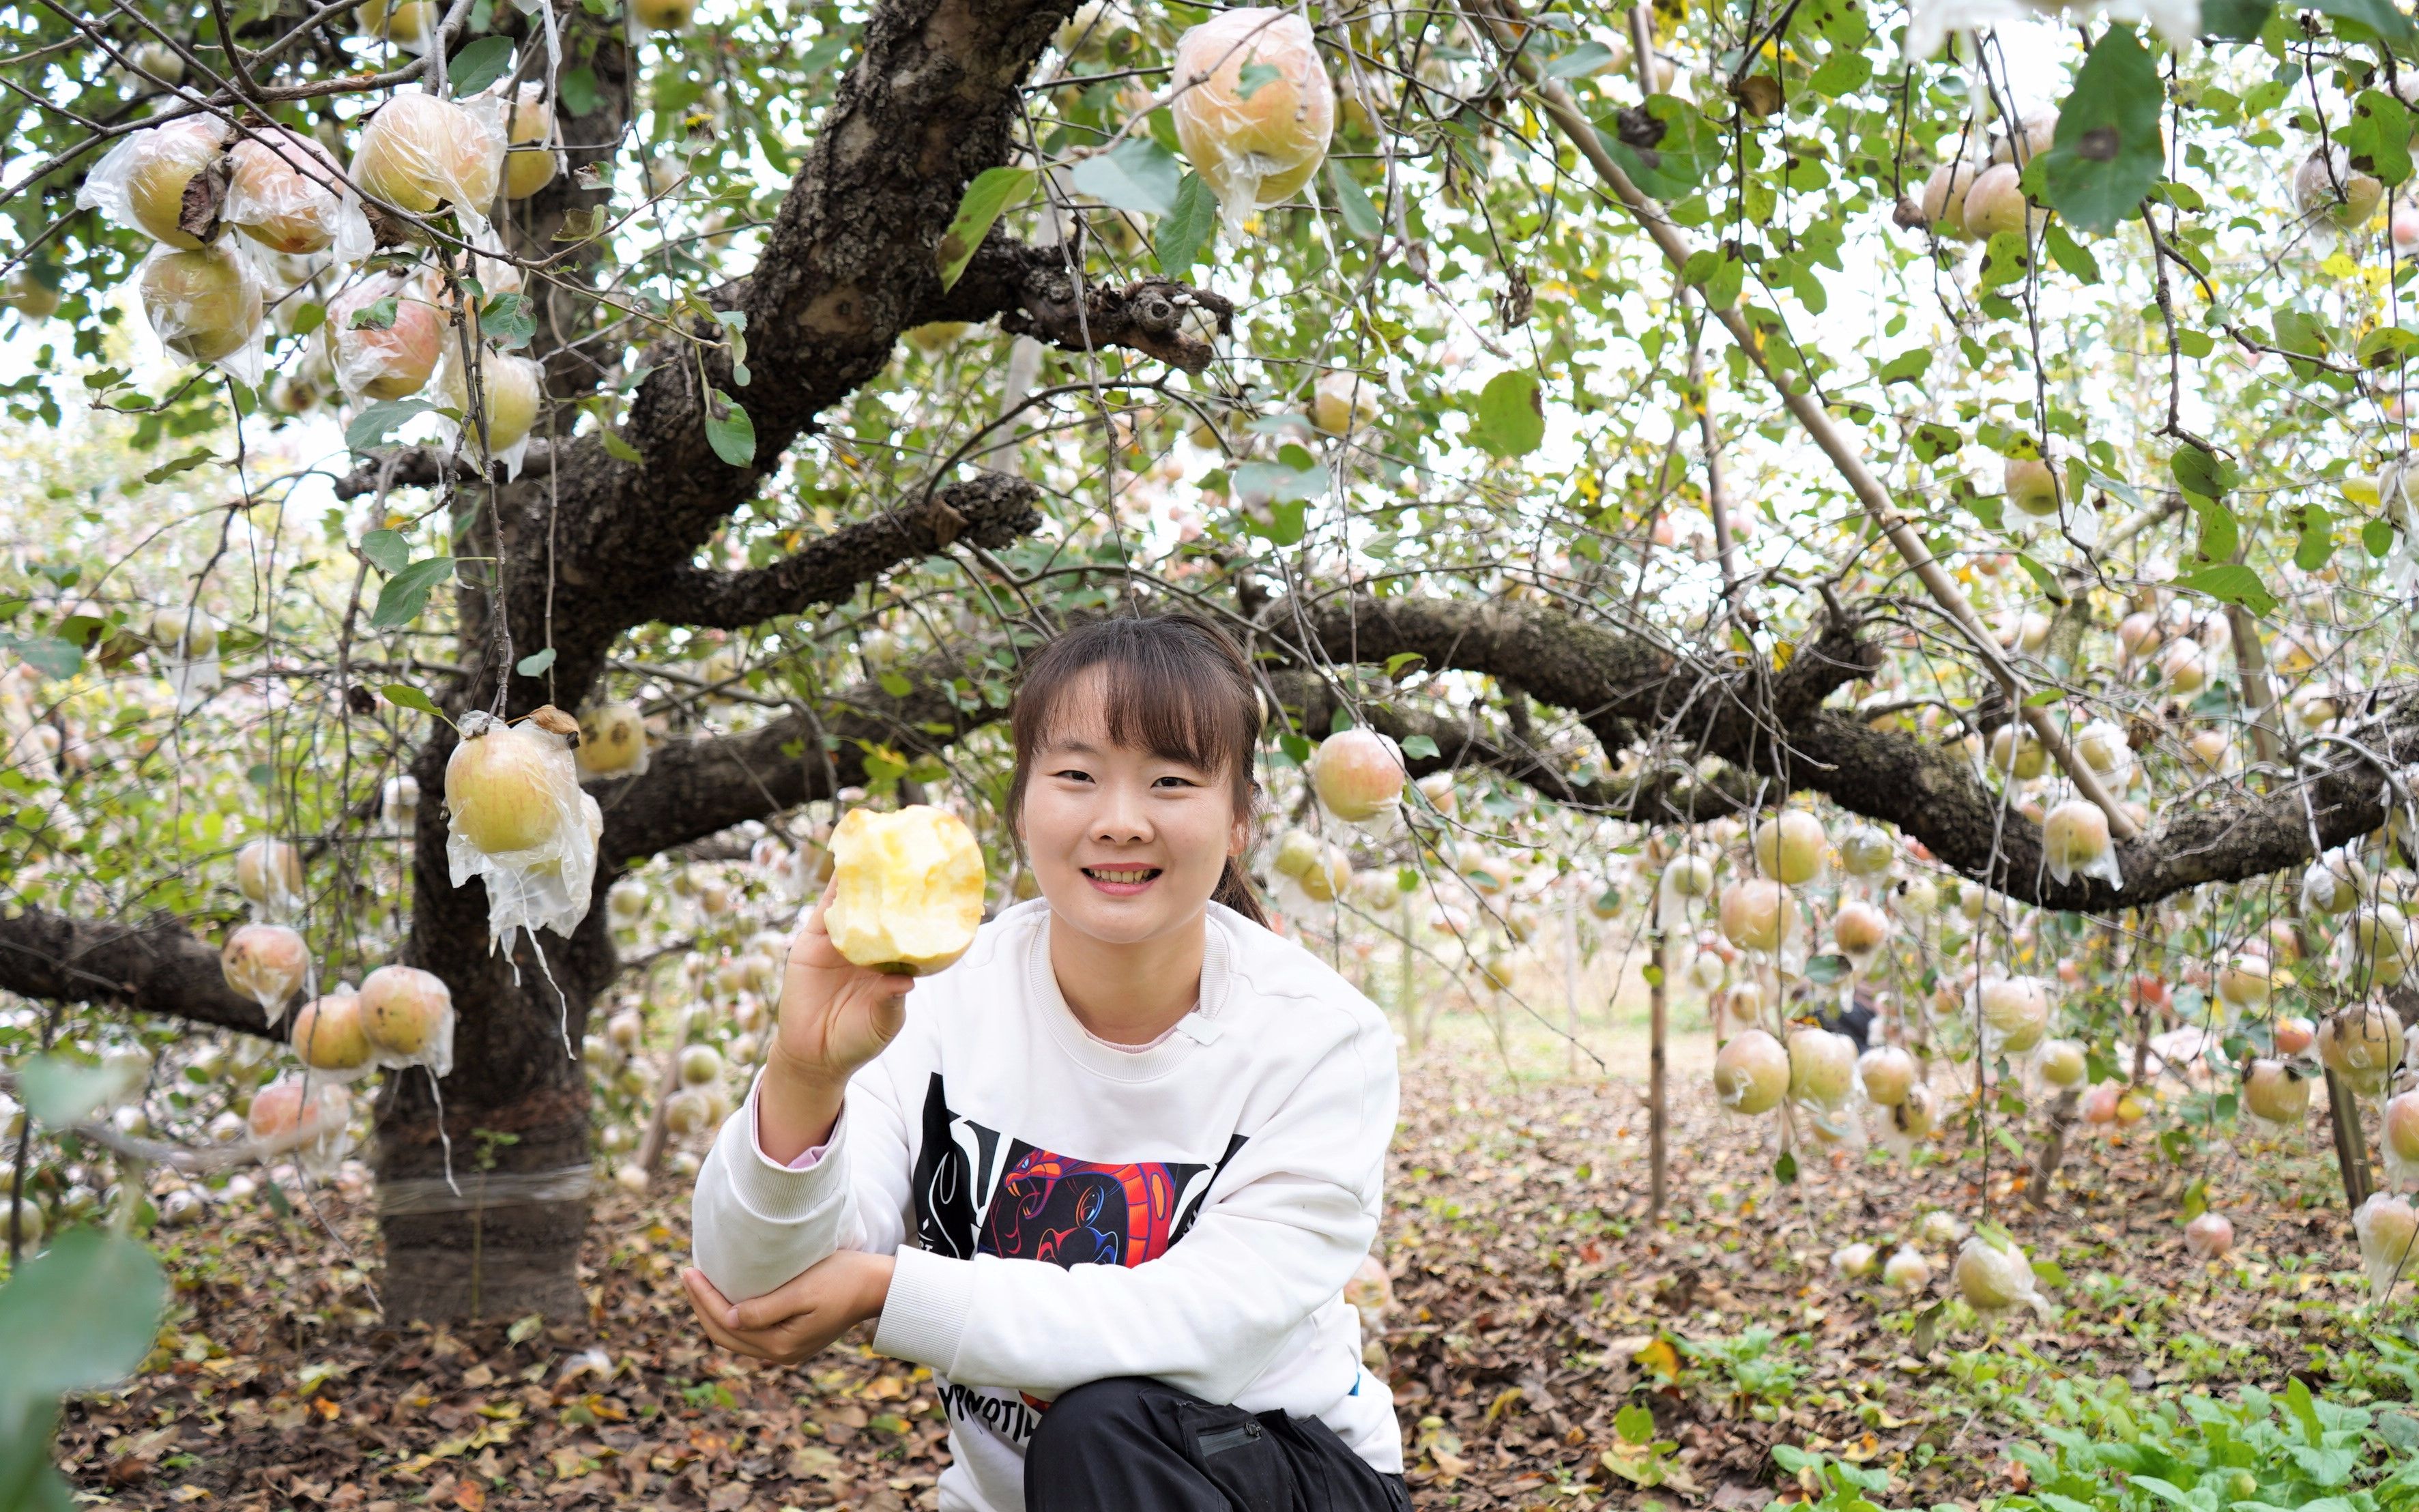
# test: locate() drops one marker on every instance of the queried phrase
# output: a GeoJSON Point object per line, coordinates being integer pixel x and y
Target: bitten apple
{"type": "Point", "coordinates": [910, 889]}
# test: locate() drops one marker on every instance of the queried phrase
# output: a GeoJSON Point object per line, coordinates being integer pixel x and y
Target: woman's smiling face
{"type": "Point", "coordinates": [1125, 844]}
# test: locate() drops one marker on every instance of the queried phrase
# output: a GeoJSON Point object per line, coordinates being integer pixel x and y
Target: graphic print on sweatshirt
{"type": "Point", "coordinates": [981, 1191]}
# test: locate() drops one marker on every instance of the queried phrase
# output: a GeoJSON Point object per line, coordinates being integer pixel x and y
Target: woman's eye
{"type": "Point", "coordinates": [1072, 775]}
{"type": "Point", "coordinates": [1179, 782]}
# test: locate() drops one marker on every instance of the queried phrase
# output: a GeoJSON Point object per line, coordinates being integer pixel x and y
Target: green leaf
{"type": "Point", "coordinates": [81, 1315]}
{"type": "Point", "coordinates": [731, 434]}
{"type": "Point", "coordinates": [1691, 147]}
{"type": "Point", "coordinates": [480, 65]}
{"type": "Point", "coordinates": [60, 1093]}
{"type": "Point", "coordinates": [990, 193]}
{"type": "Point", "coordinates": [536, 662]}
{"type": "Point", "coordinates": [2198, 472]}
{"type": "Point", "coordinates": [2071, 254]}
{"type": "Point", "coordinates": [1634, 1423]}
{"type": "Point", "coordinates": [369, 429]}
{"type": "Point", "coordinates": [1579, 63]}
{"type": "Point", "coordinates": [406, 594]}
{"type": "Point", "coordinates": [577, 91]}
{"type": "Point", "coordinates": [1352, 203]}
{"type": "Point", "coordinates": [1187, 228]}
{"type": "Point", "coordinates": [379, 314]}
{"type": "Point", "coordinates": [2235, 21]}
{"type": "Point", "coordinates": [1906, 367]}
{"type": "Point", "coordinates": [184, 464]}
{"type": "Point", "coordinates": [1927, 1329]}
{"type": "Point", "coordinates": [1400, 659]}
{"type": "Point", "coordinates": [2378, 16]}
{"type": "Point", "coordinates": [47, 655]}
{"type": "Point", "coordinates": [1280, 482]}
{"type": "Point", "coordinates": [2377, 537]}
{"type": "Point", "coordinates": [509, 320]}
{"type": "Point", "coordinates": [2317, 545]}
{"type": "Point", "coordinates": [2377, 137]}
{"type": "Point", "coordinates": [2007, 257]}
{"type": "Point", "coordinates": [1784, 1170]}
{"type": "Point", "coordinates": [2043, 579]}
{"type": "Point", "coordinates": [615, 447]}
{"type": "Point", "coordinates": [2106, 155]}
{"type": "Point", "coordinates": [1295, 746]}
{"type": "Point", "coordinates": [1254, 76]}
{"type": "Point", "coordinates": [1136, 174]}
{"type": "Point", "coordinates": [1825, 969]}
{"type": "Point", "coordinates": [2385, 346]}
{"type": "Point", "coordinates": [1420, 748]}
{"type": "Point", "coordinates": [2230, 582]}
{"type": "Point", "coordinates": [387, 550]}
{"type": "Point", "coordinates": [894, 683]}
{"type": "Point", "coordinates": [1511, 415]}
{"type": "Point", "coordinates": [405, 696]}
{"type": "Point", "coordinates": [2219, 532]}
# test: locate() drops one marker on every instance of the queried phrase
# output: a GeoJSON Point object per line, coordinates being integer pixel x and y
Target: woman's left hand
{"type": "Point", "coordinates": [798, 1320]}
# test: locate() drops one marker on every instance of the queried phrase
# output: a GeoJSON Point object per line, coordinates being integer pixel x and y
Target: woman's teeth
{"type": "Point", "coordinates": [1139, 873]}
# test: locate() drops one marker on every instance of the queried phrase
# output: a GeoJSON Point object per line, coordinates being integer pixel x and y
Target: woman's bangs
{"type": "Point", "coordinates": [1153, 704]}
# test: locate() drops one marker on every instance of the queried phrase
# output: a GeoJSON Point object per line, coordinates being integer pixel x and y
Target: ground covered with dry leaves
{"type": "Point", "coordinates": [1550, 1345]}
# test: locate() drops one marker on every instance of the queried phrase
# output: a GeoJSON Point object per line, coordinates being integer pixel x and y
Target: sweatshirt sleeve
{"type": "Point", "coordinates": [755, 1224]}
{"type": "Point", "coordinates": [1294, 1211]}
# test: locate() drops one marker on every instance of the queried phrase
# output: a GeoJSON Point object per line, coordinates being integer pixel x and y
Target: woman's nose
{"type": "Point", "coordinates": [1122, 818]}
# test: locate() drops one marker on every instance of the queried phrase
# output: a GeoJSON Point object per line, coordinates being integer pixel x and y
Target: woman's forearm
{"type": "Point", "coordinates": [796, 1110]}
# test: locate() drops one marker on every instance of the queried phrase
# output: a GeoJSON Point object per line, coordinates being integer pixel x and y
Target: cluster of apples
{"type": "Point", "coordinates": [1969, 201]}
{"type": "Point", "coordinates": [247, 214]}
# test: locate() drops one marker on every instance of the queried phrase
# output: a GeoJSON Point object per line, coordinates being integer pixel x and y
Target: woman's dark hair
{"type": "Point", "coordinates": [1176, 685]}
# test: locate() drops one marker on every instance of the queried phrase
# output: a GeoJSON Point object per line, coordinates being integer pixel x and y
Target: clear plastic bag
{"type": "Point", "coordinates": [185, 648]}
{"type": "Point", "coordinates": [140, 183]}
{"type": "Point", "coordinates": [2387, 1227]}
{"type": "Point", "coordinates": [306, 1113]}
{"type": "Point", "coordinates": [268, 964]}
{"type": "Point", "coordinates": [288, 193]}
{"type": "Point", "coordinates": [2016, 1013]}
{"type": "Point", "coordinates": [389, 361]}
{"type": "Point", "coordinates": [204, 305]}
{"type": "Point", "coordinates": [1253, 144]}
{"type": "Point", "coordinates": [511, 391]}
{"type": "Point", "coordinates": [519, 823]}
{"type": "Point", "coordinates": [419, 152]}
{"type": "Point", "coordinates": [2076, 843]}
{"type": "Point", "coordinates": [409, 1015]}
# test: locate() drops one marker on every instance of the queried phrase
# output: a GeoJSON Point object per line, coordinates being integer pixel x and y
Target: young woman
{"type": "Point", "coordinates": [1110, 1172]}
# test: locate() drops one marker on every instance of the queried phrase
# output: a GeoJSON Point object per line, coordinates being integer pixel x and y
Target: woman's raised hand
{"type": "Point", "coordinates": [835, 1016]}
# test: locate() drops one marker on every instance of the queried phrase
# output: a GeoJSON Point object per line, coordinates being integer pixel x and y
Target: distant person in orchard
{"type": "Point", "coordinates": [1107, 1174]}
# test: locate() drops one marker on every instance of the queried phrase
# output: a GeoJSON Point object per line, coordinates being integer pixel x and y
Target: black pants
{"type": "Point", "coordinates": [1132, 1445]}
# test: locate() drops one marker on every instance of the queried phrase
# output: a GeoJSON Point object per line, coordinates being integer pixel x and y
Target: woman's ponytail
{"type": "Point", "coordinates": [1236, 891]}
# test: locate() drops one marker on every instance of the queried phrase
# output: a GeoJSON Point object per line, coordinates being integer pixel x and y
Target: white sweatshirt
{"type": "Point", "coordinates": [1023, 1171]}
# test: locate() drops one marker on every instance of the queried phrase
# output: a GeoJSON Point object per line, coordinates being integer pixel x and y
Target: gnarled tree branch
{"type": "Point", "coordinates": [989, 510]}
{"type": "Point", "coordinates": [158, 966]}
{"type": "Point", "coordinates": [1770, 724]}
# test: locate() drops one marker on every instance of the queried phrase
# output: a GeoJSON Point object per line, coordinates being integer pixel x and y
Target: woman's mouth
{"type": "Point", "coordinates": [1120, 881]}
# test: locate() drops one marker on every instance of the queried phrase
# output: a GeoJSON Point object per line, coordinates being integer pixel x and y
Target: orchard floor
{"type": "Point", "coordinates": [1534, 1300]}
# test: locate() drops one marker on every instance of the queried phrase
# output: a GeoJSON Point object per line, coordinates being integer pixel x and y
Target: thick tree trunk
{"type": "Point", "coordinates": [482, 1212]}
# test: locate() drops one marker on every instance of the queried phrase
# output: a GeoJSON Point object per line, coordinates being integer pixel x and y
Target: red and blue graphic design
{"type": "Point", "coordinates": [1080, 1213]}
{"type": "Point", "coordinates": [978, 1191]}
